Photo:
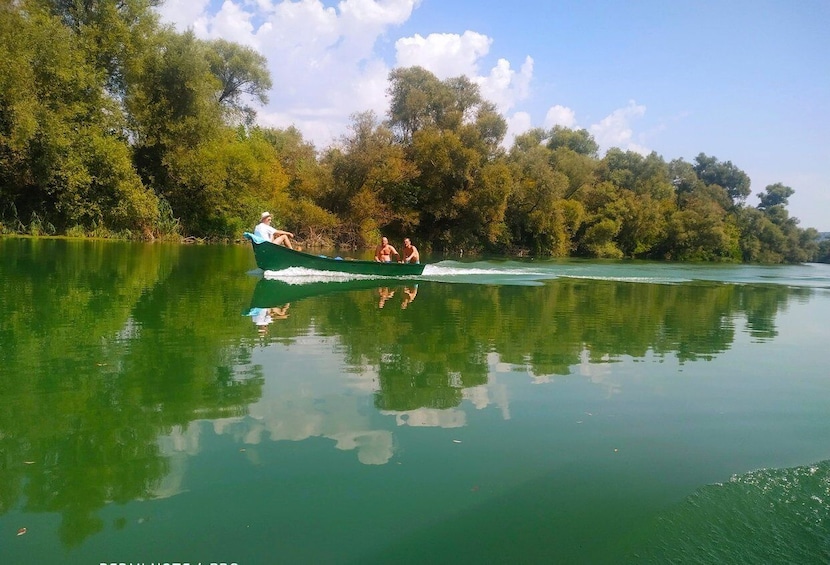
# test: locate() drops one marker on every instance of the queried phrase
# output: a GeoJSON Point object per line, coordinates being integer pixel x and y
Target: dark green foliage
{"type": "Point", "coordinates": [63, 158]}
{"type": "Point", "coordinates": [726, 175]}
{"type": "Point", "coordinates": [579, 141]}
{"type": "Point", "coordinates": [774, 195]}
{"type": "Point", "coordinates": [242, 72]}
{"type": "Point", "coordinates": [102, 114]}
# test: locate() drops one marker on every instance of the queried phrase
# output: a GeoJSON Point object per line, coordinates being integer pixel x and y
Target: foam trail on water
{"type": "Point", "coordinates": [449, 271]}
{"type": "Point", "coordinates": [301, 275]}
{"type": "Point", "coordinates": [487, 273]}
{"type": "Point", "coordinates": [656, 280]}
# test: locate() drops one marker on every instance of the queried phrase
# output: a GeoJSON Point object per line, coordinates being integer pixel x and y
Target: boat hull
{"type": "Point", "coordinates": [272, 257]}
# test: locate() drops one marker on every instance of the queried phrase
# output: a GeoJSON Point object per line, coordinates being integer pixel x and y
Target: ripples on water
{"type": "Point", "coordinates": [785, 512]}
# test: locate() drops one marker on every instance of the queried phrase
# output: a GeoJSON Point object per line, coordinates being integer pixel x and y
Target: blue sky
{"type": "Point", "coordinates": [746, 82]}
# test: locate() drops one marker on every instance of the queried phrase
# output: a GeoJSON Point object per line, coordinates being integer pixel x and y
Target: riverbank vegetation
{"type": "Point", "coordinates": [113, 125]}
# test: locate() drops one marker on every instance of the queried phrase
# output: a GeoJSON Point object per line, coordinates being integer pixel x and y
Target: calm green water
{"type": "Point", "coordinates": [511, 412]}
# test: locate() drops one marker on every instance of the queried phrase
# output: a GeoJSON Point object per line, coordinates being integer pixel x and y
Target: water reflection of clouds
{"type": "Point", "coordinates": [301, 400]}
{"type": "Point", "coordinates": [429, 418]}
{"type": "Point", "coordinates": [333, 416]}
{"type": "Point", "coordinates": [177, 447]}
{"type": "Point", "coordinates": [298, 404]}
{"type": "Point", "coordinates": [598, 373]}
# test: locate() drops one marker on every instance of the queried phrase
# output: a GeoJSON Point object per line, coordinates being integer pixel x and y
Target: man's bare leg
{"type": "Point", "coordinates": [284, 240]}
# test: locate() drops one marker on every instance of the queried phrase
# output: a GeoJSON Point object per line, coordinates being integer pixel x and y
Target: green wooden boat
{"type": "Point", "coordinates": [272, 257]}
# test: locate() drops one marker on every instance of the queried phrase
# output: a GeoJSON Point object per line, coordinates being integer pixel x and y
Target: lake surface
{"type": "Point", "coordinates": [161, 403]}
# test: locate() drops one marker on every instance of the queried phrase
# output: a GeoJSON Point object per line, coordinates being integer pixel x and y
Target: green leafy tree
{"type": "Point", "coordinates": [683, 177]}
{"type": "Point", "coordinates": [243, 75]}
{"type": "Point", "coordinates": [642, 202]}
{"type": "Point", "coordinates": [223, 184]}
{"type": "Point", "coordinates": [446, 173]}
{"type": "Point", "coordinates": [538, 213]}
{"type": "Point", "coordinates": [299, 161]}
{"type": "Point", "coordinates": [371, 183]}
{"type": "Point", "coordinates": [823, 252]}
{"type": "Point", "coordinates": [171, 104]}
{"type": "Point", "coordinates": [724, 174]}
{"type": "Point", "coordinates": [600, 225]}
{"type": "Point", "coordinates": [770, 235]}
{"type": "Point", "coordinates": [579, 169]}
{"type": "Point", "coordinates": [110, 32]}
{"type": "Point", "coordinates": [702, 231]}
{"type": "Point", "coordinates": [308, 183]}
{"type": "Point", "coordinates": [452, 137]}
{"type": "Point", "coordinates": [63, 157]}
{"type": "Point", "coordinates": [183, 147]}
{"type": "Point", "coordinates": [761, 240]}
{"type": "Point", "coordinates": [579, 141]}
{"type": "Point", "coordinates": [417, 100]}
{"type": "Point", "coordinates": [774, 195]}
{"type": "Point", "coordinates": [598, 239]}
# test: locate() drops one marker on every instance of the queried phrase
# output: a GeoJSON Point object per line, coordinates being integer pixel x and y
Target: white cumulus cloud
{"type": "Point", "coordinates": [444, 54]}
{"type": "Point", "coordinates": [560, 116]}
{"type": "Point", "coordinates": [517, 124]}
{"type": "Point", "coordinates": [615, 130]}
{"type": "Point", "coordinates": [185, 14]}
{"type": "Point", "coordinates": [504, 86]}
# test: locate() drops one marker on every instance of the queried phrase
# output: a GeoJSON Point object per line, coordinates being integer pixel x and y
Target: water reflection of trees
{"type": "Point", "coordinates": [428, 353]}
{"type": "Point", "coordinates": [94, 369]}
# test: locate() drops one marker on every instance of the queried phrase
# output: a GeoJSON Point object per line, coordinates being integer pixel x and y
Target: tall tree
{"type": "Point", "coordinates": [538, 214]}
{"type": "Point", "coordinates": [173, 111]}
{"type": "Point", "coordinates": [221, 185]}
{"type": "Point", "coordinates": [418, 100]}
{"type": "Point", "coordinates": [724, 174]}
{"type": "Point", "coordinates": [452, 136]}
{"type": "Point", "coordinates": [774, 195]}
{"type": "Point", "coordinates": [644, 201]}
{"type": "Point", "coordinates": [579, 141]}
{"type": "Point", "coordinates": [243, 75]}
{"type": "Point", "coordinates": [110, 31]}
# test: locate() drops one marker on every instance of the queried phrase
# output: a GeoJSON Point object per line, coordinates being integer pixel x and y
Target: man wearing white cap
{"type": "Point", "coordinates": [270, 233]}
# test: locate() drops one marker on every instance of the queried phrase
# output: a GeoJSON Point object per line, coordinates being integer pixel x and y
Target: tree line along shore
{"type": "Point", "coordinates": [113, 125]}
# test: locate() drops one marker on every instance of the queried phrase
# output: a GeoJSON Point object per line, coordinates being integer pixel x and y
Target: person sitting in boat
{"type": "Point", "coordinates": [410, 252]}
{"type": "Point", "coordinates": [272, 234]}
{"type": "Point", "coordinates": [384, 252]}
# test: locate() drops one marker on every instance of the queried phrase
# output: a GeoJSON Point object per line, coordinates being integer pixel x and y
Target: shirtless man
{"type": "Point", "coordinates": [384, 252]}
{"type": "Point", "coordinates": [410, 252]}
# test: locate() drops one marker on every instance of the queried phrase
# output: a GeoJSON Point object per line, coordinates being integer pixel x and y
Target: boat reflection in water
{"type": "Point", "coordinates": [263, 317]}
{"type": "Point", "coordinates": [272, 298]}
